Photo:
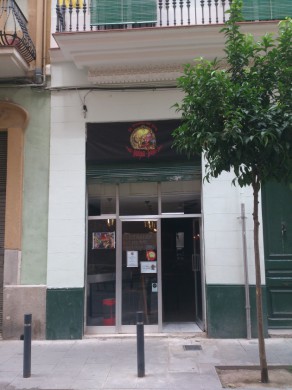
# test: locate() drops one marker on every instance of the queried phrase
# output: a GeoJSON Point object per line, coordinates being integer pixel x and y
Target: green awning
{"type": "Point", "coordinates": [266, 9]}
{"type": "Point", "coordinates": [141, 173]}
{"type": "Point", "coordinates": [104, 12]}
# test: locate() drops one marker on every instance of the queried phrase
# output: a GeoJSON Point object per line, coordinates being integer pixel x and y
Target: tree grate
{"type": "Point", "coordinates": [192, 347]}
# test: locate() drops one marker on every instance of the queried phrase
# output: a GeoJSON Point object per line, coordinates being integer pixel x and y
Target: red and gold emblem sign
{"type": "Point", "coordinates": [143, 140]}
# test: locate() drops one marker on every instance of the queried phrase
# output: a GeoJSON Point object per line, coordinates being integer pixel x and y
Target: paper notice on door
{"type": "Point", "coordinates": [148, 267]}
{"type": "Point", "coordinates": [132, 259]}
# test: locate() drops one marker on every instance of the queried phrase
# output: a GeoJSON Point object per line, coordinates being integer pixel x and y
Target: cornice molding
{"type": "Point", "coordinates": [135, 75]}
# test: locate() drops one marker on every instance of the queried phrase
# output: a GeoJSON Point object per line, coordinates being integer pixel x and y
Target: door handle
{"type": "Point", "coordinates": [283, 229]}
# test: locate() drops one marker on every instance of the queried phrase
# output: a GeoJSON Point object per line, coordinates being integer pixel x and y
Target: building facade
{"type": "Point", "coordinates": [24, 145]}
{"type": "Point", "coordinates": [119, 222]}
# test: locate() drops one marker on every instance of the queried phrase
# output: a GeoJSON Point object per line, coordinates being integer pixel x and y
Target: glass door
{"type": "Point", "coordinates": [139, 272]}
{"type": "Point", "coordinates": [101, 273]}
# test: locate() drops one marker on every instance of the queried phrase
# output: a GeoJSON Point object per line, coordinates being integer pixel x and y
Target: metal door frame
{"type": "Point", "coordinates": [119, 328]}
{"type": "Point", "coordinates": [132, 328]}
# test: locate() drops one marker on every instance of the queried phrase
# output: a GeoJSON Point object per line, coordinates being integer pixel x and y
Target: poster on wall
{"type": "Point", "coordinates": [132, 258]}
{"type": "Point", "coordinates": [103, 240]}
{"type": "Point", "coordinates": [148, 267]}
{"type": "Point", "coordinates": [127, 141]}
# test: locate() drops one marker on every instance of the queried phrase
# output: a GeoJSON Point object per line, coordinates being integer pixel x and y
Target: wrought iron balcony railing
{"type": "Point", "coordinates": [13, 30]}
{"type": "Point", "coordinates": [91, 15]}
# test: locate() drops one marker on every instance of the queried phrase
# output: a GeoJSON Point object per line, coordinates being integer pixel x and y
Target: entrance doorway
{"type": "Point", "coordinates": [277, 217]}
{"type": "Point", "coordinates": [144, 254]}
{"type": "Point", "coordinates": [181, 271]}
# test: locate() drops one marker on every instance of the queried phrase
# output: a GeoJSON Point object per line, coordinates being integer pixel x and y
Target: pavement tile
{"type": "Point", "coordinates": [8, 375]}
{"type": "Point", "coordinates": [123, 380]}
{"type": "Point", "coordinates": [39, 383]}
{"type": "Point", "coordinates": [184, 380]}
{"type": "Point", "coordinates": [4, 385]}
{"type": "Point", "coordinates": [206, 369]}
{"type": "Point", "coordinates": [13, 364]}
{"type": "Point", "coordinates": [153, 381]}
{"type": "Point", "coordinates": [211, 380]}
{"type": "Point", "coordinates": [99, 359]}
{"type": "Point", "coordinates": [42, 369]}
{"type": "Point", "coordinates": [111, 363]}
{"type": "Point", "coordinates": [91, 371]}
{"type": "Point", "coordinates": [154, 368]}
{"type": "Point", "coordinates": [88, 384]}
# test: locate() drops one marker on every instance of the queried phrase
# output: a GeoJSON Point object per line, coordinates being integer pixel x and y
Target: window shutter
{"type": "Point", "coordinates": [104, 12]}
{"type": "Point", "coordinates": [250, 10]}
{"type": "Point", "coordinates": [281, 9]}
{"type": "Point", "coordinates": [266, 9]}
{"type": "Point", "coordinates": [143, 11]}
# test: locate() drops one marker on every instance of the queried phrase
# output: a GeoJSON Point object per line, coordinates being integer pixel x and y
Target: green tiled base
{"type": "Point", "coordinates": [64, 314]}
{"type": "Point", "coordinates": [226, 314]}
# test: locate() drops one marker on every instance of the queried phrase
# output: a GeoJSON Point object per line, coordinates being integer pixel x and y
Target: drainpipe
{"type": "Point", "coordinates": [247, 298]}
{"type": "Point", "coordinates": [40, 42]}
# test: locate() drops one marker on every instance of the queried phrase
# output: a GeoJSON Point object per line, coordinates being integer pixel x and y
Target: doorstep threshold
{"type": "Point", "coordinates": [281, 333]}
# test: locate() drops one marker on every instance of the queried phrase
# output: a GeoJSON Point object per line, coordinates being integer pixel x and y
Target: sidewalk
{"type": "Point", "coordinates": [111, 362]}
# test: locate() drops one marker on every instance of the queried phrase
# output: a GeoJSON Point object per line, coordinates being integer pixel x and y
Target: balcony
{"type": "Point", "coordinates": [133, 41]}
{"type": "Point", "coordinates": [95, 15]}
{"type": "Point", "coordinates": [85, 15]}
{"type": "Point", "coordinates": [17, 50]}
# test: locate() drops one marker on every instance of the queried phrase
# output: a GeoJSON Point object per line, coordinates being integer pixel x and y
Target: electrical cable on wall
{"type": "Point", "coordinates": [83, 102]}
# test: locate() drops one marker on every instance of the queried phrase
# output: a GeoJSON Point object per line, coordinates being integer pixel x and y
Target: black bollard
{"type": "Point", "coordinates": [27, 346]}
{"type": "Point", "coordinates": [140, 345]}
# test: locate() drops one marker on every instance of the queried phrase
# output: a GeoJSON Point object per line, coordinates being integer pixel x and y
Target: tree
{"type": "Point", "coordinates": [238, 113]}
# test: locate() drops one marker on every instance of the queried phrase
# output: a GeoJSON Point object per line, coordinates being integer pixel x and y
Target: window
{"type": "Point", "coordinates": [266, 9]}
{"type": "Point", "coordinates": [105, 12]}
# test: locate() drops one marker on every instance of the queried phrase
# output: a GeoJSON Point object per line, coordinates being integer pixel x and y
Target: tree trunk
{"type": "Point", "coordinates": [261, 339]}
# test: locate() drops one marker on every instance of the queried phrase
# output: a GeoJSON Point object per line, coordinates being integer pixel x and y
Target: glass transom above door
{"type": "Point", "coordinates": [138, 199]}
{"type": "Point", "coordinates": [179, 197]}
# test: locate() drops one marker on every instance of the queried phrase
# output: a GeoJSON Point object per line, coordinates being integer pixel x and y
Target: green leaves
{"type": "Point", "coordinates": [241, 117]}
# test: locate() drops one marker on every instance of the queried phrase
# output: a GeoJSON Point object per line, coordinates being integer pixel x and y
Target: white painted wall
{"type": "Point", "coordinates": [66, 236]}
{"type": "Point", "coordinates": [223, 231]}
{"type": "Point", "coordinates": [67, 75]}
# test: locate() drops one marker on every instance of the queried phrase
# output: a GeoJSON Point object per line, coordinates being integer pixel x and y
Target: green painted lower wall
{"type": "Point", "coordinates": [64, 313]}
{"type": "Point", "coordinates": [226, 314]}
{"type": "Point", "coordinates": [36, 188]}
